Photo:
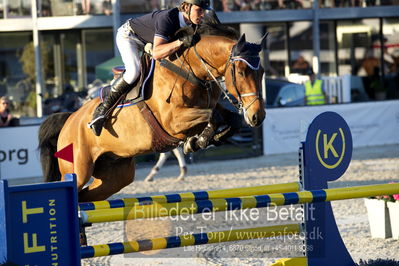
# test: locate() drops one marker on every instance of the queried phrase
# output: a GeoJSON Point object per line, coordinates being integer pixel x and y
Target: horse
{"type": "Point", "coordinates": [178, 152]}
{"type": "Point", "coordinates": [181, 107]}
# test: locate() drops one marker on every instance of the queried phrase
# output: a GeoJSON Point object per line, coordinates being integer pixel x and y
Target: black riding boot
{"type": "Point", "coordinates": [118, 88]}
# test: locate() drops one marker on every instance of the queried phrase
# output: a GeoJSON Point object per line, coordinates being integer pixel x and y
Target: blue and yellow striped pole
{"type": "Point", "coordinates": [189, 240]}
{"type": "Point", "coordinates": [216, 205]}
{"type": "Point", "coordinates": [191, 196]}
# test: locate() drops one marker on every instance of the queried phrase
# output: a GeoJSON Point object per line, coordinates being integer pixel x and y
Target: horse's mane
{"type": "Point", "coordinates": [218, 30]}
{"type": "Point", "coordinates": [209, 29]}
{"type": "Point", "coordinates": [213, 29]}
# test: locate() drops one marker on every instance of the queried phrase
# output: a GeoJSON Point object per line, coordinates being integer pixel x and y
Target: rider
{"type": "Point", "coordinates": [156, 28]}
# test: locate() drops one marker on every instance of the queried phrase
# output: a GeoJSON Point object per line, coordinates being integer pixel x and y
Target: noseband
{"type": "Point", "coordinates": [231, 61]}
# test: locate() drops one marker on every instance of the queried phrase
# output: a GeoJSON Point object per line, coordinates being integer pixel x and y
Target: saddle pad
{"type": "Point", "coordinates": [137, 93]}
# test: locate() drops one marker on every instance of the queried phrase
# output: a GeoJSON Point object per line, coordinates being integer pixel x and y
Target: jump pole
{"type": "Point", "coordinates": [276, 231]}
{"type": "Point", "coordinates": [191, 196]}
{"type": "Point", "coordinates": [247, 202]}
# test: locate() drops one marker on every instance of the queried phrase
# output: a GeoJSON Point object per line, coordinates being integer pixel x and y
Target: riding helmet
{"type": "Point", "coordinates": [205, 4]}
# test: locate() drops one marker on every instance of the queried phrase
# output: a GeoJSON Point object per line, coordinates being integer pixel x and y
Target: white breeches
{"type": "Point", "coordinates": [130, 49]}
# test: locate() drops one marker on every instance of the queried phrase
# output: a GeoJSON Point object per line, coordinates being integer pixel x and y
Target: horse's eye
{"type": "Point", "coordinates": [241, 73]}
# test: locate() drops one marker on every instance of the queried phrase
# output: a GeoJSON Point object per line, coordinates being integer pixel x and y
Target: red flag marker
{"type": "Point", "coordinates": [65, 153]}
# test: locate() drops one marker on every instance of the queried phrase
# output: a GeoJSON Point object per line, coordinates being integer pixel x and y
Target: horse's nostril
{"type": "Point", "coordinates": [255, 119]}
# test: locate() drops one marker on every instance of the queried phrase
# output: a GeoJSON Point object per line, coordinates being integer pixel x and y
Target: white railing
{"type": "Point", "coordinates": [338, 89]}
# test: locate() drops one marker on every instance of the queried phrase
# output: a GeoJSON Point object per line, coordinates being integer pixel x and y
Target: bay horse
{"type": "Point", "coordinates": [182, 109]}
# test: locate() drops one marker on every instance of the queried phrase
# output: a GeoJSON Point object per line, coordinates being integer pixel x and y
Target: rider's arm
{"type": "Point", "coordinates": [162, 48]}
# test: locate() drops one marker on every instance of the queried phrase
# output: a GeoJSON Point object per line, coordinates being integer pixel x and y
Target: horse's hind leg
{"type": "Point", "coordinates": [109, 178]}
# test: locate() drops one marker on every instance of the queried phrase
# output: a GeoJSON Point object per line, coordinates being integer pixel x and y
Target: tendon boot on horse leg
{"type": "Point", "coordinates": [194, 143]}
{"type": "Point", "coordinates": [208, 133]}
{"type": "Point", "coordinates": [118, 88]}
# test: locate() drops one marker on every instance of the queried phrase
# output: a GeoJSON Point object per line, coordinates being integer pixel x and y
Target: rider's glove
{"type": "Point", "coordinates": [186, 41]}
{"type": "Point", "coordinates": [189, 40]}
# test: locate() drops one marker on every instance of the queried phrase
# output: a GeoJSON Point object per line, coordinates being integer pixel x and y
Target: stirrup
{"type": "Point", "coordinates": [97, 125]}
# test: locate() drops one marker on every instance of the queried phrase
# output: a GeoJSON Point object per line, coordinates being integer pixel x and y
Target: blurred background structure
{"type": "Point", "coordinates": [52, 51]}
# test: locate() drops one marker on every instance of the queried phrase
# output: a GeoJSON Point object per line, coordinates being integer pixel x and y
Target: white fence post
{"type": "Point", "coordinates": [338, 88]}
{"type": "Point", "coordinates": [346, 88]}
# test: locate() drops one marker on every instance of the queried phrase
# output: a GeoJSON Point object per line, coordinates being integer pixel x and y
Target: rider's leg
{"type": "Point", "coordinates": [130, 49]}
{"type": "Point", "coordinates": [178, 152]}
{"type": "Point", "coordinates": [118, 88]}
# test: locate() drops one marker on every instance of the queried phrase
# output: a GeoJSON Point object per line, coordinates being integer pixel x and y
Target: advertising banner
{"type": "Point", "coordinates": [371, 124]}
{"type": "Point", "coordinates": [19, 156]}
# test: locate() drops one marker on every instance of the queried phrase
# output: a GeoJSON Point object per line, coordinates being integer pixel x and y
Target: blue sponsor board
{"type": "Point", "coordinates": [328, 149]}
{"type": "Point", "coordinates": [39, 223]}
{"type": "Point", "coordinates": [327, 155]}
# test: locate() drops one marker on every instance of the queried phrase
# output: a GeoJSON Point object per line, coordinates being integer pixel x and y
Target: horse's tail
{"type": "Point", "coordinates": [48, 136]}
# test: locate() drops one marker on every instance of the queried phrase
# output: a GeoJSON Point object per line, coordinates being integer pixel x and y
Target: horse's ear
{"type": "Point", "coordinates": [263, 40]}
{"type": "Point", "coordinates": [241, 41]}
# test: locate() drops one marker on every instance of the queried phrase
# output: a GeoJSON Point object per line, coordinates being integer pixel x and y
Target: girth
{"type": "Point", "coordinates": [161, 140]}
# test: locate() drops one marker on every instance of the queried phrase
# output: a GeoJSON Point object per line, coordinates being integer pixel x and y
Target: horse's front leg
{"type": "Point", "coordinates": [202, 141]}
{"type": "Point", "coordinates": [226, 121]}
{"type": "Point", "coordinates": [232, 122]}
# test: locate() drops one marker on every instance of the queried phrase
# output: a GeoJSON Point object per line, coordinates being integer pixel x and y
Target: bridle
{"type": "Point", "coordinates": [231, 61]}
{"type": "Point", "coordinates": [208, 83]}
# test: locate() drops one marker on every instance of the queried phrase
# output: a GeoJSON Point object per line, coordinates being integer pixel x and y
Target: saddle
{"type": "Point", "coordinates": [137, 93]}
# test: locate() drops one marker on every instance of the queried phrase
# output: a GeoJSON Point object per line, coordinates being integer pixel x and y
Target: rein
{"type": "Point", "coordinates": [240, 106]}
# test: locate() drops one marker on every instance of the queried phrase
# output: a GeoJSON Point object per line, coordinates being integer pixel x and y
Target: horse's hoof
{"type": "Point", "coordinates": [83, 239]}
{"type": "Point", "coordinates": [183, 173]}
{"type": "Point", "coordinates": [190, 145]}
{"type": "Point", "coordinates": [150, 176]}
{"type": "Point", "coordinates": [149, 179]}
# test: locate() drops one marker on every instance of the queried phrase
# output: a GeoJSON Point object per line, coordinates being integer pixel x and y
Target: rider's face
{"type": "Point", "coordinates": [197, 14]}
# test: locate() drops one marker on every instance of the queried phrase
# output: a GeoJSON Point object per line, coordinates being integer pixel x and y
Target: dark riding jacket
{"type": "Point", "coordinates": [160, 23]}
